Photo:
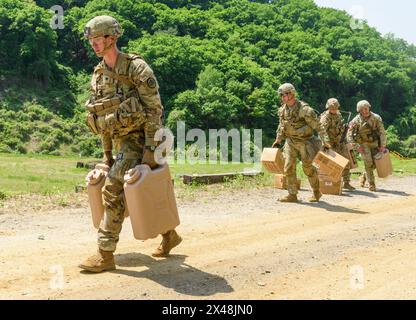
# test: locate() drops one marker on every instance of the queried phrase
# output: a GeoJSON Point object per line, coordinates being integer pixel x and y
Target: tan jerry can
{"type": "Point", "coordinates": [272, 159]}
{"type": "Point", "coordinates": [151, 201]}
{"type": "Point", "coordinates": [383, 163]}
{"type": "Point", "coordinates": [95, 183]}
{"type": "Point", "coordinates": [330, 163]}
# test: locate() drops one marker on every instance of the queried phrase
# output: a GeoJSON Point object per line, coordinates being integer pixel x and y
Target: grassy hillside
{"type": "Point", "coordinates": [218, 63]}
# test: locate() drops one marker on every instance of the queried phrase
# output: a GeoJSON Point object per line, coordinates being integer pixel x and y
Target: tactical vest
{"type": "Point", "coordinates": [365, 130]}
{"type": "Point", "coordinates": [115, 108]}
{"type": "Point", "coordinates": [294, 123]}
{"type": "Point", "coordinates": [335, 127]}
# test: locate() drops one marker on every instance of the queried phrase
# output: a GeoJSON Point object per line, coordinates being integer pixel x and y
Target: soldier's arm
{"type": "Point", "coordinates": [280, 134]}
{"type": "Point", "coordinates": [107, 143]}
{"type": "Point", "coordinates": [312, 120]}
{"type": "Point", "coordinates": [350, 132]}
{"type": "Point", "coordinates": [148, 89]}
{"type": "Point", "coordinates": [324, 126]}
{"type": "Point", "coordinates": [382, 132]}
{"type": "Point", "coordinates": [108, 149]}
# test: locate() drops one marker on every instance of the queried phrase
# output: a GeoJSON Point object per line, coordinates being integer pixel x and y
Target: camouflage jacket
{"type": "Point", "coordinates": [332, 126]}
{"type": "Point", "coordinates": [367, 130]}
{"type": "Point", "coordinates": [124, 100]}
{"type": "Point", "coordinates": [297, 122]}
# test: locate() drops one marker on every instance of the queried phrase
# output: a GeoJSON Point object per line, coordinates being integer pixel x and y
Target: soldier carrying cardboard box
{"type": "Point", "coordinates": [367, 132]}
{"type": "Point", "coordinates": [297, 121]}
{"type": "Point", "coordinates": [333, 127]}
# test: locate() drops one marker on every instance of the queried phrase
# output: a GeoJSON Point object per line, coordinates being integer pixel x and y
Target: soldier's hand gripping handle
{"type": "Point", "coordinates": [149, 158]}
{"type": "Point", "coordinates": [108, 158]}
{"type": "Point", "coordinates": [326, 146]}
{"type": "Point", "coordinates": [276, 144]}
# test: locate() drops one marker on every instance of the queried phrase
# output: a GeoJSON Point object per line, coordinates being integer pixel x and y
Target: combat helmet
{"type": "Point", "coordinates": [286, 88]}
{"type": "Point", "coordinates": [102, 26]}
{"type": "Point", "coordinates": [362, 104]}
{"type": "Point", "coordinates": [332, 103]}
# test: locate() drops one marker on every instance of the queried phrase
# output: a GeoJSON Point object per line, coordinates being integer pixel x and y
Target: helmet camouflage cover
{"type": "Point", "coordinates": [332, 103]}
{"type": "Point", "coordinates": [102, 26]}
{"type": "Point", "coordinates": [286, 88]}
{"type": "Point", "coordinates": [363, 104]}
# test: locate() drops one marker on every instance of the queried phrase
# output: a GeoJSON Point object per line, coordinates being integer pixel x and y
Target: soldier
{"type": "Point", "coordinates": [333, 128]}
{"type": "Point", "coordinates": [125, 110]}
{"type": "Point", "coordinates": [296, 125]}
{"type": "Point", "coordinates": [367, 132]}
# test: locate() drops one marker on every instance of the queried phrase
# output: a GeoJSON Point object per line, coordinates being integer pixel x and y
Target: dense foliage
{"type": "Point", "coordinates": [218, 63]}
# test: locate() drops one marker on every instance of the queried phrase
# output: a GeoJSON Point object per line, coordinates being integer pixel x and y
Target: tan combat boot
{"type": "Point", "coordinates": [289, 198]}
{"type": "Point", "coordinates": [170, 240]}
{"type": "Point", "coordinates": [362, 180]}
{"type": "Point", "coordinates": [372, 187]}
{"type": "Point", "coordinates": [315, 197]}
{"type": "Point", "coordinates": [102, 261]}
{"type": "Point", "coordinates": [348, 186]}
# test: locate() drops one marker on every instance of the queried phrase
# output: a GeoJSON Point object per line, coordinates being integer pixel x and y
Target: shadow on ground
{"type": "Point", "coordinates": [173, 272]}
{"type": "Point", "coordinates": [331, 207]}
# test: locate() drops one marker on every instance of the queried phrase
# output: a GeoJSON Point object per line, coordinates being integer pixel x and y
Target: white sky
{"type": "Point", "coordinates": [398, 17]}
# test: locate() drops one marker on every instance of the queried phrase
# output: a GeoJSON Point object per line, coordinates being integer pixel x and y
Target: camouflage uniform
{"type": "Point", "coordinates": [332, 126]}
{"type": "Point", "coordinates": [296, 125]}
{"type": "Point", "coordinates": [369, 134]}
{"type": "Point", "coordinates": [125, 109]}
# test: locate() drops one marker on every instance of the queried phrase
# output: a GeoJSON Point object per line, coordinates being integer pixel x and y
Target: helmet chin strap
{"type": "Point", "coordinates": [106, 49]}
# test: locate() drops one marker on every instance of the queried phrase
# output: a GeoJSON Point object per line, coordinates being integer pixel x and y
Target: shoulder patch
{"type": "Point", "coordinates": [151, 83]}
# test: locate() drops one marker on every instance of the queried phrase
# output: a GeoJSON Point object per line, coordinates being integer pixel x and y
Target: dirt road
{"type": "Point", "coordinates": [239, 245]}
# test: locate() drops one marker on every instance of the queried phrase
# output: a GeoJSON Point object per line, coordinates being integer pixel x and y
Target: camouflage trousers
{"type": "Point", "coordinates": [305, 150]}
{"type": "Point", "coordinates": [129, 154]}
{"type": "Point", "coordinates": [370, 150]}
{"type": "Point", "coordinates": [341, 148]}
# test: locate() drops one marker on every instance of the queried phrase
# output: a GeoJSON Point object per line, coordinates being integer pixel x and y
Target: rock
{"type": "Point", "coordinates": [261, 284]}
{"type": "Point", "coordinates": [80, 164]}
{"type": "Point", "coordinates": [41, 237]}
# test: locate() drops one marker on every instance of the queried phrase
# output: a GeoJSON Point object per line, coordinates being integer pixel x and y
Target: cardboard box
{"type": "Point", "coordinates": [328, 186]}
{"type": "Point", "coordinates": [330, 163]}
{"type": "Point", "coordinates": [351, 156]}
{"type": "Point", "coordinates": [272, 159]}
{"type": "Point", "coordinates": [280, 182]}
{"type": "Point", "coordinates": [383, 163]}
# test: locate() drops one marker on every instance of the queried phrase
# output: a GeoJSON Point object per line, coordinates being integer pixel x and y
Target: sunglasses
{"type": "Point", "coordinates": [285, 94]}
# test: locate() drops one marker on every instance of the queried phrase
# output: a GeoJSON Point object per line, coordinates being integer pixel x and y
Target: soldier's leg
{"type": "Point", "coordinates": [309, 170]}
{"type": "Point", "coordinates": [346, 174]}
{"type": "Point", "coordinates": [363, 179]}
{"type": "Point", "coordinates": [110, 227]}
{"type": "Point", "coordinates": [369, 166]}
{"type": "Point", "coordinates": [290, 155]}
